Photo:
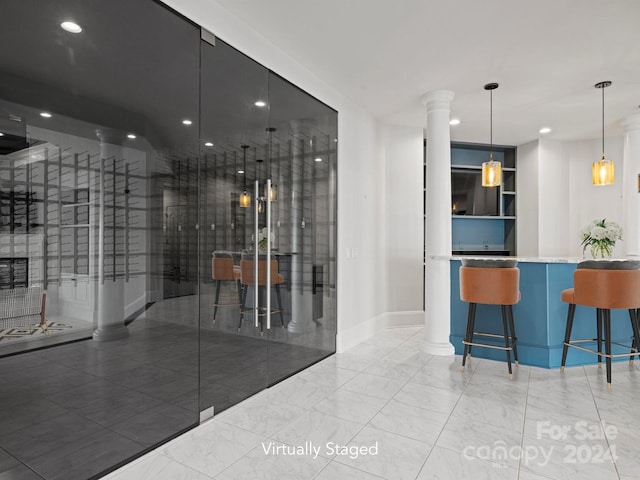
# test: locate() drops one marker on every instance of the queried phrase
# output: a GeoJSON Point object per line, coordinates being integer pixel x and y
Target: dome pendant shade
{"type": "Point", "coordinates": [491, 173]}
{"type": "Point", "coordinates": [602, 172]}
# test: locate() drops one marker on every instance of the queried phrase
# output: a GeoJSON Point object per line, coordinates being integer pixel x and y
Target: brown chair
{"type": "Point", "coordinates": [223, 270]}
{"type": "Point", "coordinates": [603, 286]}
{"type": "Point", "coordinates": [497, 283]}
{"type": "Point", "coordinates": [247, 278]}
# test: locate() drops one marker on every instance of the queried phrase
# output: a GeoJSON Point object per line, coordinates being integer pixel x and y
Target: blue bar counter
{"type": "Point", "coordinates": [540, 317]}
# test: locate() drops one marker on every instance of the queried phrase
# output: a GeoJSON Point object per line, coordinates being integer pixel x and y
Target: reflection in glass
{"type": "Point", "coordinates": [97, 173]}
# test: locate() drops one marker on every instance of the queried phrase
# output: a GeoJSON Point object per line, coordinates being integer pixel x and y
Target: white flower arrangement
{"type": "Point", "coordinates": [601, 236]}
{"type": "Point", "coordinates": [262, 238]}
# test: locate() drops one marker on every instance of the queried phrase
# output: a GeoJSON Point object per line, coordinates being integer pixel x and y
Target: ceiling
{"type": "Point", "coordinates": [546, 55]}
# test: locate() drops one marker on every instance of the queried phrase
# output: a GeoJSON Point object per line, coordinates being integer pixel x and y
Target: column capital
{"type": "Point", "coordinates": [438, 99]}
{"type": "Point", "coordinates": [631, 123]}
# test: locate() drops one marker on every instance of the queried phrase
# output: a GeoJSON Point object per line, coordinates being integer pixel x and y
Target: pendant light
{"type": "Point", "coordinates": [491, 170]}
{"type": "Point", "coordinates": [272, 194]}
{"type": "Point", "coordinates": [245, 199]}
{"type": "Point", "coordinates": [259, 200]}
{"type": "Point", "coordinates": [602, 171]}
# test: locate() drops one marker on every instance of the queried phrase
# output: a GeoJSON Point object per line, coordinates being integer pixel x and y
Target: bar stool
{"type": "Point", "coordinates": [604, 285]}
{"type": "Point", "coordinates": [247, 279]}
{"type": "Point", "coordinates": [223, 270]}
{"type": "Point", "coordinates": [492, 282]}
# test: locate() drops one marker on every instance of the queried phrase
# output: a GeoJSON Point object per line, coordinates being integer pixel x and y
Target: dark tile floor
{"type": "Point", "coordinates": [75, 410]}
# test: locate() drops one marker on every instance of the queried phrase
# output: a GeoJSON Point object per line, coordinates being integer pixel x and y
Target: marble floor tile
{"type": "Point", "coordinates": [352, 406]}
{"type": "Point", "coordinates": [261, 419]}
{"type": "Point", "coordinates": [624, 444]}
{"type": "Point", "coordinates": [395, 370]}
{"type": "Point", "coordinates": [428, 397]}
{"type": "Point", "coordinates": [478, 439]}
{"type": "Point", "coordinates": [350, 361]}
{"type": "Point", "coordinates": [330, 376]}
{"type": "Point", "coordinates": [157, 467]}
{"type": "Point", "coordinates": [532, 476]}
{"type": "Point", "coordinates": [212, 447]}
{"type": "Point", "coordinates": [413, 422]}
{"type": "Point", "coordinates": [443, 374]}
{"type": "Point", "coordinates": [543, 374]}
{"type": "Point", "coordinates": [335, 471]}
{"type": "Point", "coordinates": [318, 428]}
{"type": "Point", "coordinates": [483, 385]}
{"type": "Point", "coordinates": [407, 353]}
{"type": "Point", "coordinates": [264, 463]}
{"type": "Point", "coordinates": [536, 419]}
{"type": "Point", "coordinates": [577, 402]}
{"type": "Point", "coordinates": [499, 369]}
{"type": "Point", "coordinates": [499, 410]}
{"type": "Point", "coordinates": [567, 458]}
{"type": "Point", "coordinates": [390, 456]}
{"type": "Point", "coordinates": [298, 392]}
{"type": "Point", "coordinates": [374, 385]}
{"type": "Point", "coordinates": [444, 464]}
{"type": "Point", "coordinates": [28, 414]}
{"type": "Point", "coordinates": [371, 350]}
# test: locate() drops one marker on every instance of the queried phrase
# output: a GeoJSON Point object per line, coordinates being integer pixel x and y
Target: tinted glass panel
{"type": "Point", "coordinates": [98, 197]}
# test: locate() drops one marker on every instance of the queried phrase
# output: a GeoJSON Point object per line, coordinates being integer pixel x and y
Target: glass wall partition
{"type": "Point", "coordinates": [268, 206]}
{"type": "Point", "coordinates": [167, 232]}
{"type": "Point", "coordinates": [98, 208]}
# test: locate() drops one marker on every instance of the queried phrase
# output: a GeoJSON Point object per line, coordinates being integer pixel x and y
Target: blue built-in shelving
{"type": "Point", "coordinates": [483, 219]}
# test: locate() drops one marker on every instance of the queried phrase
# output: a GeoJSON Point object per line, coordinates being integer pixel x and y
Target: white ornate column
{"type": "Point", "coordinates": [630, 193]}
{"type": "Point", "coordinates": [111, 278]}
{"type": "Point", "coordinates": [301, 300]}
{"type": "Point", "coordinates": [437, 281]}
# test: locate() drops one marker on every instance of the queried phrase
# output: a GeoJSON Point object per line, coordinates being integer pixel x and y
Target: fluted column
{"type": "Point", "coordinates": [437, 281]}
{"type": "Point", "coordinates": [630, 193]}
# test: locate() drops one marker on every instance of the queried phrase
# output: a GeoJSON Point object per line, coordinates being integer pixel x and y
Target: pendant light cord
{"type": "Point", "coordinates": [491, 125]}
{"type": "Point", "coordinates": [244, 147]}
{"type": "Point", "coordinates": [602, 122]}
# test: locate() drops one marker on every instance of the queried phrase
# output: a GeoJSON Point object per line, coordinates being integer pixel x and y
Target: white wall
{"type": "Point", "coordinates": [361, 233]}
{"type": "Point", "coordinates": [556, 197]}
{"type": "Point", "coordinates": [527, 200]}
{"type": "Point", "coordinates": [404, 159]}
{"type": "Point", "coordinates": [553, 198]}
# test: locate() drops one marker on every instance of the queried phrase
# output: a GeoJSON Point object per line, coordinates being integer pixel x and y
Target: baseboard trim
{"type": "Point", "coordinates": [366, 329]}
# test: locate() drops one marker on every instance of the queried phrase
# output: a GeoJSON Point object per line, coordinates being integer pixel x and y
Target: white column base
{"type": "Point", "coordinates": [439, 349]}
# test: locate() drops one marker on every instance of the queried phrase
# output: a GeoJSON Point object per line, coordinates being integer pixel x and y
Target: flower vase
{"type": "Point", "coordinates": [601, 251]}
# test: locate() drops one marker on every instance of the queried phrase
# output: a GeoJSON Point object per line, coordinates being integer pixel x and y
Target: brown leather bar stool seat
{"type": "Point", "coordinates": [492, 282]}
{"type": "Point", "coordinates": [224, 270]}
{"type": "Point", "coordinates": [247, 278]}
{"type": "Point", "coordinates": [605, 286]}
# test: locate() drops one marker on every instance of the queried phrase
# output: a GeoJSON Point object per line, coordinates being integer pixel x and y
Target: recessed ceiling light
{"type": "Point", "coordinates": [240, 171]}
{"type": "Point", "coordinates": [260, 103]}
{"type": "Point", "coordinates": [71, 27]}
{"type": "Point", "coordinates": [186, 121]}
{"type": "Point", "coordinates": [45, 114]}
{"type": "Point", "coordinates": [544, 130]}
{"type": "Point", "coordinates": [318, 159]}
{"type": "Point", "coordinates": [131, 136]}
{"type": "Point", "coordinates": [208, 144]}
{"type": "Point", "coordinates": [454, 121]}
